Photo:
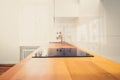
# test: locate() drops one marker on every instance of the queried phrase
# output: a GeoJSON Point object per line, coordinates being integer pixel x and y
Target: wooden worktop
{"type": "Point", "coordinates": [85, 68]}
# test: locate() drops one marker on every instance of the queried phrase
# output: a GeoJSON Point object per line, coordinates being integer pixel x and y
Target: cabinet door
{"type": "Point", "coordinates": [89, 8]}
{"type": "Point", "coordinates": [66, 8]}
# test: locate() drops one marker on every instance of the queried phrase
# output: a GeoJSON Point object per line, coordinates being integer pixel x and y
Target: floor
{"type": "Point", "coordinates": [5, 67]}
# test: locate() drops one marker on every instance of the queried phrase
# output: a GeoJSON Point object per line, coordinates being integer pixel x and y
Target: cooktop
{"type": "Point", "coordinates": [61, 52]}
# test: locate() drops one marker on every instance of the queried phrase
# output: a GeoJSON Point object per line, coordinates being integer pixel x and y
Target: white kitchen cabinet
{"type": "Point", "coordinates": [89, 8]}
{"type": "Point", "coordinates": [34, 21]}
{"type": "Point", "coordinates": [66, 8]}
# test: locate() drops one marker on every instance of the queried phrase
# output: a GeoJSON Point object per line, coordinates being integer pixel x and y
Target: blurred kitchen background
{"type": "Point", "coordinates": [89, 24]}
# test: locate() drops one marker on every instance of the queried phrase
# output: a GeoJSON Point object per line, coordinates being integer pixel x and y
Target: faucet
{"type": "Point", "coordinates": [59, 37]}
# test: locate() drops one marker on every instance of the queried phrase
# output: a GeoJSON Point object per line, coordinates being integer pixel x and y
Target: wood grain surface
{"type": "Point", "coordinates": [85, 68]}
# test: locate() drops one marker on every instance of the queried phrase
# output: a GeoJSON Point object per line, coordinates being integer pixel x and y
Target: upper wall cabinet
{"type": "Point", "coordinates": [89, 8]}
{"type": "Point", "coordinates": [66, 8]}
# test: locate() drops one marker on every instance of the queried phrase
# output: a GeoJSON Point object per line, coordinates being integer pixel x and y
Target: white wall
{"type": "Point", "coordinates": [112, 18]}
{"type": "Point", "coordinates": [9, 49]}
{"type": "Point", "coordinates": [101, 34]}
